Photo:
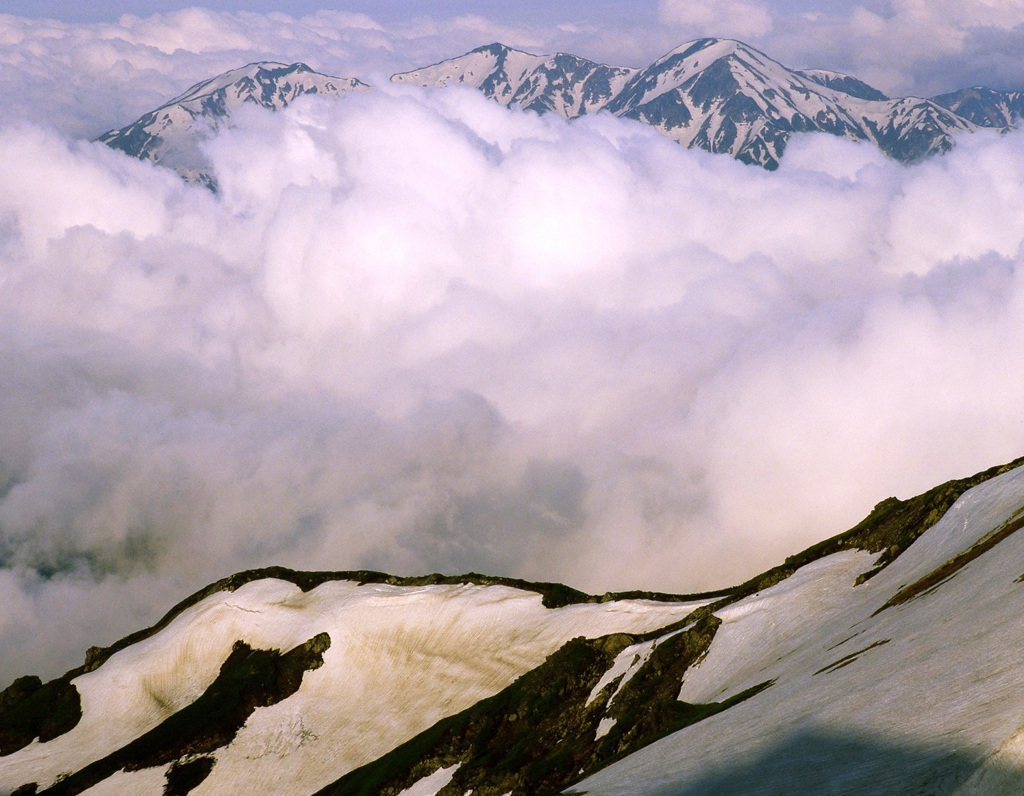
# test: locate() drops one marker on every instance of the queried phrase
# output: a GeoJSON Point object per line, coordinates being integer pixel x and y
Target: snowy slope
{"type": "Point", "coordinates": [716, 94]}
{"type": "Point", "coordinates": [922, 696]}
{"type": "Point", "coordinates": [170, 134]}
{"type": "Point", "coordinates": [833, 673]}
{"type": "Point", "coordinates": [399, 659]}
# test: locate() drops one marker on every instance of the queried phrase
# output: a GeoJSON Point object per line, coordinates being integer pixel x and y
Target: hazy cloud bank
{"type": "Point", "coordinates": [419, 332]}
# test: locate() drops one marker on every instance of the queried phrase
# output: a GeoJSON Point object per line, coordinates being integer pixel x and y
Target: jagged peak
{"type": "Point", "coordinates": [974, 91]}
{"type": "Point", "coordinates": [494, 48]}
{"type": "Point", "coordinates": [700, 54]}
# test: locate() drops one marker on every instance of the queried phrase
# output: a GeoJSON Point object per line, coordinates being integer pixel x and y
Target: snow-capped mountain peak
{"type": "Point", "coordinates": [170, 133]}
{"type": "Point", "coordinates": [562, 83]}
{"type": "Point", "coordinates": [720, 95]}
{"type": "Point", "coordinates": [843, 82]}
{"type": "Point", "coordinates": [985, 106]}
{"type": "Point", "coordinates": [267, 83]}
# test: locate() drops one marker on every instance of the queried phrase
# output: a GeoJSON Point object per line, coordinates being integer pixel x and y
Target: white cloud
{"type": "Point", "coordinates": [735, 19]}
{"type": "Point", "coordinates": [416, 331]}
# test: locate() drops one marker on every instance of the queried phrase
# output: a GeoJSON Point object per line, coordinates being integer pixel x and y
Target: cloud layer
{"type": "Point", "coordinates": [416, 331]}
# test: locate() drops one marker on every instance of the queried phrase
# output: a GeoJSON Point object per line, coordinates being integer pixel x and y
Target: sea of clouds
{"type": "Point", "coordinates": [417, 332]}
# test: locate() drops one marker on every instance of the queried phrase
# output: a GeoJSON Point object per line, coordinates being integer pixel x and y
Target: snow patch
{"type": "Point", "coordinates": [604, 727]}
{"type": "Point", "coordinates": [430, 786]}
{"type": "Point", "coordinates": [129, 783]}
{"type": "Point", "coordinates": [626, 664]}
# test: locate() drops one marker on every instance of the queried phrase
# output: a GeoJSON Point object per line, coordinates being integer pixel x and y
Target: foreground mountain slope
{"type": "Point", "coordinates": [906, 683]}
{"type": "Point", "coordinates": [372, 664]}
{"type": "Point", "coordinates": [716, 94]}
{"type": "Point", "coordinates": [883, 660]}
{"type": "Point", "coordinates": [772, 636]}
{"type": "Point", "coordinates": [171, 133]}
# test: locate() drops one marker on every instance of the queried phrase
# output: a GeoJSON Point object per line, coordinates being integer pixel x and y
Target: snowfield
{"type": "Point", "coordinates": [921, 697]}
{"type": "Point", "coordinates": [906, 681]}
{"type": "Point", "coordinates": [401, 658]}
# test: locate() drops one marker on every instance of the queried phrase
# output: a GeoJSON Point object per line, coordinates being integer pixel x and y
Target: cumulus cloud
{"type": "Point", "coordinates": [416, 331]}
{"type": "Point", "coordinates": [736, 19]}
{"type": "Point", "coordinates": [909, 46]}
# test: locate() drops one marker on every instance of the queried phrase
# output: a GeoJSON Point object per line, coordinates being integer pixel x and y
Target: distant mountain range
{"type": "Point", "coordinates": [723, 96]}
{"type": "Point", "coordinates": [716, 94]}
{"type": "Point", "coordinates": [885, 660]}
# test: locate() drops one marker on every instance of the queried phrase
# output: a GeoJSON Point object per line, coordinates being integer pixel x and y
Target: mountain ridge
{"type": "Point", "coordinates": [278, 654]}
{"type": "Point", "coordinates": [720, 95]}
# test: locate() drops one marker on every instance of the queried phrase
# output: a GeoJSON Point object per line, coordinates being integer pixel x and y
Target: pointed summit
{"type": "Point", "coordinates": [170, 133]}
{"type": "Point", "coordinates": [562, 83]}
